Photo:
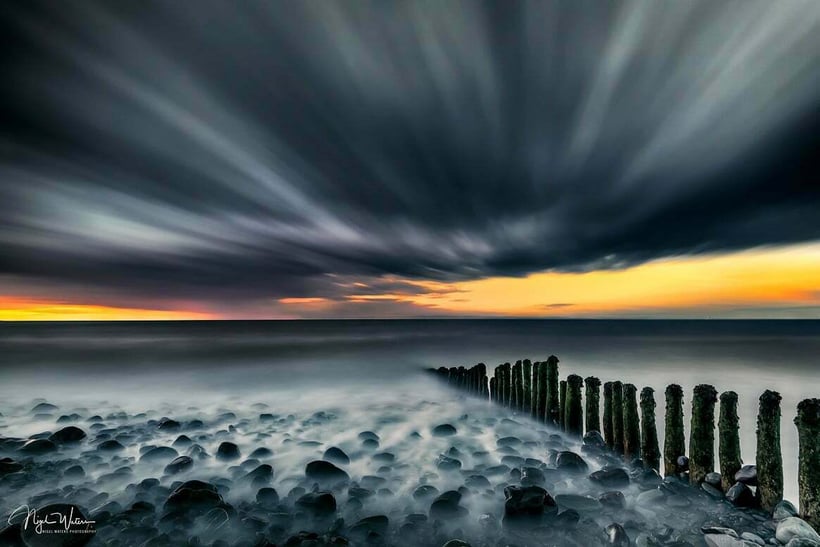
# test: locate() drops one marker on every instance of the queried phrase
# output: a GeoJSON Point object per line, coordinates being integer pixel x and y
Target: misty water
{"type": "Point", "coordinates": [369, 376]}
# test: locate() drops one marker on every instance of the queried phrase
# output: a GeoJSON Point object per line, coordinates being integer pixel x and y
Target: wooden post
{"type": "Point", "coordinates": [492, 389]}
{"type": "Point", "coordinates": [505, 384]}
{"type": "Point", "coordinates": [592, 401]}
{"type": "Point", "coordinates": [673, 441]}
{"type": "Point", "coordinates": [516, 386]}
{"type": "Point", "coordinates": [618, 417]}
{"type": "Point", "coordinates": [497, 378]}
{"type": "Point", "coordinates": [609, 436]}
{"type": "Point", "coordinates": [542, 393]}
{"type": "Point", "coordinates": [526, 370]}
{"type": "Point", "coordinates": [768, 459]}
{"type": "Point", "coordinates": [808, 473]}
{"type": "Point", "coordinates": [573, 420]}
{"type": "Point", "coordinates": [728, 439]}
{"type": "Point", "coordinates": [536, 371]}
{"type": "Point", "coordinates": [562, 404]}
{"type": "Point", "coordinates": [632, 428]}
{"type": "Point", "coordinates": [702, 433]}
{"type": "Point", "coordinates": [553, 405]}
{"type": "Point", "coordinates": [650, 452]}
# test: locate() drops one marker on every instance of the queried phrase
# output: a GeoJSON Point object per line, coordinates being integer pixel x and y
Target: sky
{"type": "Point", "coordinates": [409, 159]}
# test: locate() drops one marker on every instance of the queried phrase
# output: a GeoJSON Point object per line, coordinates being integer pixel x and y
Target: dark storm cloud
{"type": "Point", "coordinates": [224, 150]}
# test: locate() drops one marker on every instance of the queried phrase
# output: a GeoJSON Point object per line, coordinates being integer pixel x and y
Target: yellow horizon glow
{"type": "Point", "coordinates": [772, 277]}
{"type": "Point", "coordinates": [775, 278]}
{"type": "Point", "coordinates": [27, 309]}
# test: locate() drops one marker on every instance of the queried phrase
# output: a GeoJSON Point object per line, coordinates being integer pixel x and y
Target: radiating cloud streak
{"type": "Point", "coordinates": [259, 152]}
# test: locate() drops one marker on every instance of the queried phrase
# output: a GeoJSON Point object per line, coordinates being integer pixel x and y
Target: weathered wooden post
{"type": "Point", "coordinates": [768, 459]}
{"type": "Point", "coordinates": [536, 367]}
{"type": "Point", "coordinates": [573, 420]}
{"type": "Point", "coordinates": [526, 370]}
{"type": "Point", "coordinates": [632, 427]}
{"type": "Point", "coordinates": [505, 384]}
{"type": "Point", "coordinates": [483, 381]}
{"type": "Point", "coordinates": [808, 473]}
{"type": "Point", "coordinates": [516, 386]}
{"type": "Point", "coordinates": [553, 410]}
{"type": "Point", "coordinates": [702, 433]}
{"type": "Point", "coordinates": [562, 404]}
{"type": "Point", "coordinates": [609, 435]}
{"type": "Point", "coordinates": [650, 452]}
{"type": "Point", "coordinates": [728, 439]}
{"type": "Point", "coordinates": [542, 392]}
{"type": "Point", "coordinates": [592, 404]}
{"type": "Point", "coordinates": [674, 444]}
{"type": "Point", "coordinates": [492, 389]}
{"type": "Point", "coordinates": [618, 417]}
{"type": "Point", "coordinates": [497, 377]}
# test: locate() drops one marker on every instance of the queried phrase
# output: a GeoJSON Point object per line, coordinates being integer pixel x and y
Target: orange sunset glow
{"type": "Point", "coordinates": [785, 280]}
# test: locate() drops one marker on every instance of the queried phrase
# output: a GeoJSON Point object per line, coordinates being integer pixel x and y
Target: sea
{"type": "Point", "coordinates": [304, 363]}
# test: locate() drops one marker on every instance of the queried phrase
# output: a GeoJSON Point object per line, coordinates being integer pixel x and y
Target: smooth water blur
{"type": "Point", "coordinates": [140, 364]}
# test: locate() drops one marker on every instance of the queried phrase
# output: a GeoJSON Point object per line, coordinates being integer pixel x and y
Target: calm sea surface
{"type": "Point", "coordinates": [140, 362]}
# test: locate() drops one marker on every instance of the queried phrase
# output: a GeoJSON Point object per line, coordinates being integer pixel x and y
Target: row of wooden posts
{"type": "Point", "coordinates": [536, 390]}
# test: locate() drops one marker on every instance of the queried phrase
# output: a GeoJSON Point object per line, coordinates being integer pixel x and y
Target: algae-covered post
{"type": "Point", "coordinates": [609, 436]}
{"type": "Point", "coordinates": [573, 420]}
{"type": "Point", "coordinates": [505, 384]}
{"type": "Point", "coordinates": [674, 444]}
{"type": "Point", "coordinates": [632, 428]}
{"type": "Point", "coordinates": [516, 386]}
{"type": "Point", "coordinates": [542, 393]}
{"type": "Point", "coordinates": [496, 397]}
{"type": "Point", "coordinates": [553, 404]}
{"type": "Point", "coordinates": [728, 439]}
{"type": "Point", "coordinates": [808, 473]}
{"type": "Point", "coordinates": [618, 417]}
{"type": "Point", "coordinates": [768, 459]}
{"type": "Point", "coordinates": [527, 372]}
{"type": "Point", "coordinates": [536, 390]}
{"type": "Point", "coordinates": [702, 433]}
{"type": "Point", "coordinates": [562, 404]}
{"type": "Point", "coordinates": [592, 404]}
{"type": "Point", "coordinates": [483, 381]}
{"type": "Point", "coordinates": [650, 452]}
{"type": "Point", "coordinates": [492, 389]}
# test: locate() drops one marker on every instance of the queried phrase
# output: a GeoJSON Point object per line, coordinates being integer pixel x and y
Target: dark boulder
{"type": "Point", "coordinates": [227, 451]}
{"type": "Point", "coordinates": [616, 535]}
{"type": "Point", "coordinates": [7, 465]}
{"type": "Point", "coordinates": [747, 475]}
{"type": "Point", "coordinates": [325, 473]}
{"type": "Point", "coordinates": [159, 453]}
{"type": "Point", "coordinates": [740, 495]}
{"type": "Point", "coordinates": [260, 476]}
{"type": "Point", "coordinates": [179, 464]}
{"type": "Point", "coordinates": [167, 424]}
{"type": "Point", "coordinates": [446, 506]}
{"type": "Point", "coordinates": [446, 463]}
{"type": "Point", "coordinates": [267, 497]}
{"type": "Point", "coordinates": [194, 496]}
{"type": "Point", "coordinates": [570, 462]}
{"type": "Point", "coordinates": [336, 455]}
{"type": "Point", "coordinates": [614, 499]}
{"type": "Point", "coordinates": [317, 504]}
{"type": "Point", "coordinates": [367, 527]}
{"type": "Point", "coordinates": [444, 430]}
{"type": "Point", "coordinates": [67, 435]}
{"type": "Point", "coordinates": [38, 447]}
{"type": "Point", "coordinates": [610, 477]}
{"type": "Point", "coordinates": [524, 501]}
{"type": "Point", "coordinates": [110, 446]}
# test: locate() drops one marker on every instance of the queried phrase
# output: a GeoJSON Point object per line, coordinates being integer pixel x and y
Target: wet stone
{"type": "Point", "coordinates": [38, 447]}
{"type": "Point", "coordinates": [425, 491]}
{"type": "Point", "coordinates": [318, 504]}
{"type": "Point", "coordinates": [227, 451]}
{"type": "Point", "coordinates": [570, 462]}
{"type": "Point", "coordinates": [267, 497]}
{"type": "Point", "coordinates": [179, 464]}
{"type": "Point", "coordinates": [446, 506]}
{"type": "Point", "coordinates": [110, 446]}
{"type": "Point", "coordinates": [446, 463]}
{"type": "Point", "coordinates": [577, 502]}
{"type": "Point", "coordinates": [523, 501]}
{"type": "Point", "coordinates": [159, 453]}
{"type": "Point", "coordinates": [325, 472]}
{"type": "Point", "coordinates": [610, 477]}
{"type": "Point", "coordinates": [613, 499]}
{"type": "Point", "coordinates": [67, 435]}
{"type": "Point", "coordinates": [747, 475]}
{"type": "Point", "coordinates": [783, 510]}
{"type": "Point", "coordinates": [741, 495]}
{"type": "Point", "coordinates": [792, 528]}
{"type": "Point", "coordinates": [443, 430]}
{"type": "Point", "coordinates": [616, 535]}
{"type": "Point", "coordinates": [336, 455]}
